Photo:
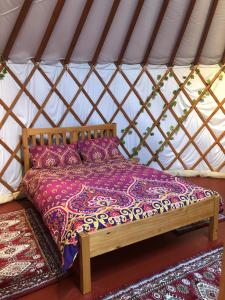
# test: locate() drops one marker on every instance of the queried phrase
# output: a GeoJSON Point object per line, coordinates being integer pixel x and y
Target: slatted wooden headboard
{"type": "Point", "coordinates": [67, 135]}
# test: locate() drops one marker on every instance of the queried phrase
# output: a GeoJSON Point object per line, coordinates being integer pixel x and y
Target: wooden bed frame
{"type": "Point", "coordinates": [109, 239]}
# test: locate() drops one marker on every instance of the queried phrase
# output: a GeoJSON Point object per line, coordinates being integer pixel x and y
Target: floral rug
{"type": "Point", "coordinates": [197, 225]}
{"type": "Point", "coordinates": [197, 278]}
{"type": "Point", "coordinates": [29, 258]}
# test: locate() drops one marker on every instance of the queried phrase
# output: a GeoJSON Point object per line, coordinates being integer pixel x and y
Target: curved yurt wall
{"type": "Point", "coordinates": [154, 67]}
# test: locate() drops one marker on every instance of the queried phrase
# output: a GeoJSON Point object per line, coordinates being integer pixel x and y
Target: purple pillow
{"type": "Point", "coordinates": [100, 149]}
{"type": "Point", "coordinates": [44, 156]}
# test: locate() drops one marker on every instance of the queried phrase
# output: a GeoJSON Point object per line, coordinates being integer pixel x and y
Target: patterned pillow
{"type": "Point", "coordinates": [99, 149]}
{"type": "Point", "coordinates": [54, 156]}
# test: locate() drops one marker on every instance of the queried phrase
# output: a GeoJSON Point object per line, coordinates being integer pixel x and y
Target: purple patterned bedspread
{"type": "Point", "coordinates": [94, 196]}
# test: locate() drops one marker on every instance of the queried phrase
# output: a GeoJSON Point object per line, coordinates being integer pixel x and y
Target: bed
{"type": "Point", "coordinates": [96, 208]}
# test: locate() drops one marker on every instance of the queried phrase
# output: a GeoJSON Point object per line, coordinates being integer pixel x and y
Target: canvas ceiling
{"type": "Point", "coordinates": [37, 19]}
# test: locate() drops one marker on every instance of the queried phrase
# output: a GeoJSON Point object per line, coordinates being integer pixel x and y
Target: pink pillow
{"type": "Point", "coordinates": [100, 149]}
{"type": "Point", "coordinates": [54, 156]}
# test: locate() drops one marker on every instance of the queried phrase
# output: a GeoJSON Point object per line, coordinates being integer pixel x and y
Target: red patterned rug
{"type": "Point", "coordinates": [196, 278]}
{"type": "Point", "coordinates": [29, 258]}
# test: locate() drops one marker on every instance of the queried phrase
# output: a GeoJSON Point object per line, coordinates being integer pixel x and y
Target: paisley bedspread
{"type": "Point", "coordinates": [93, 196]}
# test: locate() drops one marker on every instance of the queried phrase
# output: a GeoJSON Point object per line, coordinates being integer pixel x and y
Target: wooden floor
{"type": "Point", "coordinates": [124, 266]}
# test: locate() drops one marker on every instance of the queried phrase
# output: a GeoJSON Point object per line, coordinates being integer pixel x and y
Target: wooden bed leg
{"type": "Point", "coordinates": [213, 225]}
{"type": "Point", "coordinates": [85, 263]}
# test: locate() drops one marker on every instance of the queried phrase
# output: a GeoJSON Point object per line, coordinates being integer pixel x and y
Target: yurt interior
{"type": "Point", "coordinates": [112, 149]}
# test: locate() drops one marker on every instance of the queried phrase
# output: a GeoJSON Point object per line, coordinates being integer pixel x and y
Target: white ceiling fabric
{"type": "Point", "coordinates": [32, 31]}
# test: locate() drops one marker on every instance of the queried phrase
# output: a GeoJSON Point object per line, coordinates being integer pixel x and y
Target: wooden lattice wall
{"type": "Point", "coordinates": [145, 105]}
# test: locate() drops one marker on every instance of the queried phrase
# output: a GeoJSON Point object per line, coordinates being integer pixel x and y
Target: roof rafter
{"type": "Point", "coordinates": [130, 30]}
{"type": "Point", "coordinates": [182, 31]}
{"type": "Point", "coordinates": [78, 30]}
{"type": "Point", "coordinates": [18, 25]}
{"type": "Point", "coordinates": [51, 25]}
{"type": "Point", "coordinates": [155, 31]}
{"type": "Point", "coordinates": [105, 31]}
{"type": "Point", "coordinates": [208, 22]}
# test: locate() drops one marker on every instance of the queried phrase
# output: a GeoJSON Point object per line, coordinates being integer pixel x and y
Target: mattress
{"type": "Point", "coordinates": [93, 196]}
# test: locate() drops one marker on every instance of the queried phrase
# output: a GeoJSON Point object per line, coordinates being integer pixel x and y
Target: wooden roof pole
{"type": "Point", "coordinates": [51, 25]}
{"type": "Point", "coordinates": [208, 22]}
{"type": "Point", "coordinates": [105, 31]}
{"type": "Point", "coordinates": [18, 25]}
{"type": "Point", "coordinates": [182, 31]}
{"type": "Point", "coordinates": [78, 30]}
{"type": "Point", "coordinates": [130, 31]}
{"type": "Point", "coordinates": [155, 31]}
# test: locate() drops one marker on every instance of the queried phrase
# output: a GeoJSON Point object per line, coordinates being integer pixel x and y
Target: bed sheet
{"type": "Point", "coordinates": [93, 196]}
